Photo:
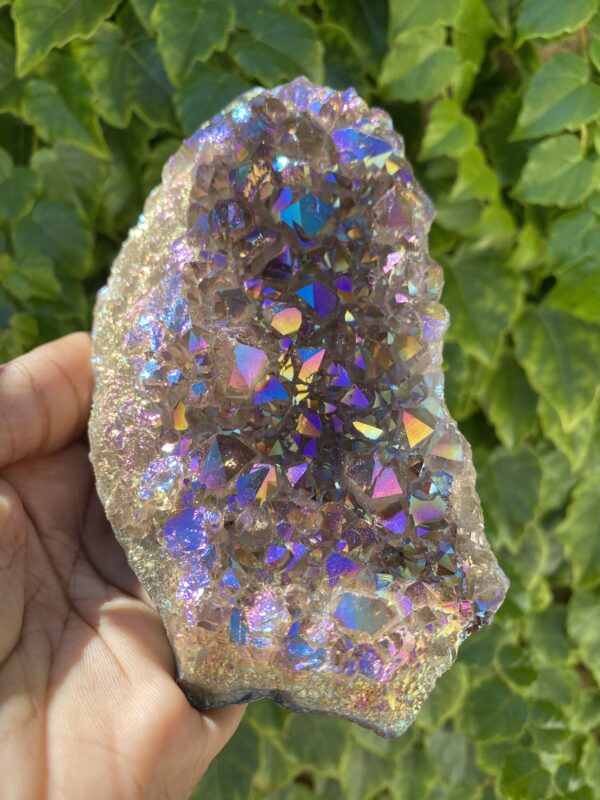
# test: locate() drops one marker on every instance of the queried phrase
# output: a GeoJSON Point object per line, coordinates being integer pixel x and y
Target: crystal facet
{"type": "Point", "coordinates": [269, 430]}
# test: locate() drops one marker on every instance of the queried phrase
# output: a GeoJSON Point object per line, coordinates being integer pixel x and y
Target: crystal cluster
{"type": "Point", "coordinates": [269, 430]}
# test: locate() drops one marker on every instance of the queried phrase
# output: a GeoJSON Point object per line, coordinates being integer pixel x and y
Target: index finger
{"type": "Point", "coordinates": [45, 398]}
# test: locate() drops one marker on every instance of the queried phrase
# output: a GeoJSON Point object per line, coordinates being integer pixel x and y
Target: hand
{"type": "Point", "coordinates": [88, 703]}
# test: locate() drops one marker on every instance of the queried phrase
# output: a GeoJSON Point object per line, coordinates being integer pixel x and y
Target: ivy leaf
{"type": "Point", "coordinates": [545, 19]}
{"type": "Point", "coordinates": [364, 21]}
{"type": "Point", "coordinates": [560, 355]}
{"type": "Point", "coordinates": [363, 773]}
{"type": "Point", "coordinates": [418, 65]}
{"type": "Point", "coordinates": [190, 31]}
{"type": "Point", "coordinates": [560, 96]}
{"type": "Point", "coordinates": [482, 297]}
{"type": "Point", "coordinates": [17, 194]}
{"type": "Point", "coordinates": [580, 532]}
{"type": "Point", "coordinates": [509, 486]}
{"type": "Point", "coordinates": [230, 775]}
{"type": "Point", "coordinates": [473, 27]}
{"type": "Point", "coordinates": [557, 478]}
{"type": "Point", "coordinates": [60, 108]}
{"type": "Point", "coordinates": [320, 745]}
{"type": "Point", "coordinates": [208, 89]}
{"type": "Point", "coordinates": [509, 401]}
{"type": "Point", "coordinates": [143, 11]}
{"type": "Point", "coordinates": [56, 231]}
{"type": "Point", "coordinates": [44, 24]}
{"type": "Point", "coordinates": [11, 87]}
{"type": "Point", "coordinates": [594, 46]}
{"type": "Point", "coordinates": [574, 237]}
{"type": "Point", "coordinates": [556, 174]}
{"type": "Point", "coordinates": [277, 46]}
{"type": "Point", "coordinates": [475, 177]}
{"type": "Point", "coordinates": [447, 697]}
{"type": "Point", "coordinates": [584, 610]}
{"type": "Point", "coordinates": [126, 74]}
{"type": "Point", "coordinates": [492, 712]}
{"type": "Point", "coordinates": [343, 65]}
{"type": "Point", "coordinates": [523, 777]}
{"type": "Point", "coordinates": [30, 276]}
{"type": "Point", "coordinates": [577, 290]}
{"type": "Point", "coordinates": [449, 131]}
{"type": "Point", "coordinates": [581, 444]}
{"type": "Point", "coordinates": [547, 633]}
{"type": "Point", "coordinates": [408, 15]}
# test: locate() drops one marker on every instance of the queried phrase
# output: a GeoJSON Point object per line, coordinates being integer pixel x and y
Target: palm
{"type": "Point", "coordinates": [88, 704]}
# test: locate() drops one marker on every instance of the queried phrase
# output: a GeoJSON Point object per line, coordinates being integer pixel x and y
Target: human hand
{"type": "Point", "coordinates": [88, 703]}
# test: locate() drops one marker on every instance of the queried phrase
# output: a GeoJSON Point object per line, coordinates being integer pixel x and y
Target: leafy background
{"type": "Point", "coordinates": [499, 102]}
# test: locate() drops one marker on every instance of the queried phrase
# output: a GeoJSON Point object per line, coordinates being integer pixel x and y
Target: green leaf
{"type": "Point", "coordinates": [206, 92]}
{"type": "Point", "coordinates": [475, 177]}
{"type": "Point", "coordinates": [44, 24]}
{"type": "Point", "coordinates": [594, 45]}
{"type": "Point", "coordinates": [577, 290]}
{"type": "Point", "coordinates": [449, 131]}
{"type": "Point", "coordinates": [56, 231]}
{"type": "Point", "coordinates": [474, 25]}
{"type": "Point", "coordinates": [556, 174]}
{"type": "Point", "coordinates": [559, 97]}
{"type": "Point", "coordinates": [318, 741]}
{"type": "Point", "coordinates": [557, 478]}
{"type": "Point", "coordinates": [514, 664]}
{"type": "Point", "coordinates": [447, 697]}
{"type": "Point", "coordinates": [509, 401]}
{"type": "Point", "coordinates": [509, 486]}
{"type": "Point", "coordinates": [363, 773]}
{"type": "Point", "coordinates": [413, 14]}
{"type": "Point", "coordinates": [30, 276]}
{"type": "Point", "coordinates": [581, 444]}
{"type": "Point", "coordinates": [580, 532]}
{"type": "Point", "coordinates": [492, 712]}
{"type": "Point", "coordinates": [230, 774]}
{"type": "Point", "coordinates": [418, 66]}
{"type": "Point", "coordinates": [548, 18]}
{"type": "Point", "coordinates": [591, 760]}
{"type": "Point", "coordinates": [529, 250]}
{"type": "Point", "coordinates": [60, 107]}
{"type": "Point", "coordinates": [454, 757]}
{"type": "Point", "coordinates": [11, 88]}
{"type": "Point", "coordinates": [364, 21]}
{"type": "Point", "coordinates": [143, 11]}
{"type": "Point", "coordinates": [523, 777]}
{"type": "Point", "coordinates": [277, 766]}
{"type": "Point", "coordinates": [574, 237]}
{"type": "Point", "coordinates": [126, 74]}
{"type": "Point", "coordinates": [190, 31]}
{"type": "Point", "coordinates": [6, 165]}
{"type": "Point", "coordinates": [547, 636]}
{"type": "Point", "coordinates": [482, 297]}
{"type": "Point", "coordinates": [343, 65]}
{"type": "Point", "coordinates": [584, 612]}
{"type": "Point", "coordinates": [17, 194]}
{"type": "Point", "coordinates": [278, 46]}
{"type": "Point", "coordinates": [560, 355]}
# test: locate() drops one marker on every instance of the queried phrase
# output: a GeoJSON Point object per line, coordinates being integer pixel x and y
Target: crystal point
{"type": "Point", "coordinates": [269, 432]}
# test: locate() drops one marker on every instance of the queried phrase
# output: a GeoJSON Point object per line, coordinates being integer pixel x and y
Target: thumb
{"type": "Point", "coordinates": [12, 569]}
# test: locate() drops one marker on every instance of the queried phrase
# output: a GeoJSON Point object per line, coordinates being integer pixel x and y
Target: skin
{"type": "Point", "coordinates": [88, 702]}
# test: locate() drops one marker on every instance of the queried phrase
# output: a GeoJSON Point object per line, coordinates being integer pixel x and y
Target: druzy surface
{"type": "Point", "coordinates": [269, 431]}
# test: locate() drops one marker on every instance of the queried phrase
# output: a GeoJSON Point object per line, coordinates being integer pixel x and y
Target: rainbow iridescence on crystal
{"type": "Point", "coordinates": [269, 430]}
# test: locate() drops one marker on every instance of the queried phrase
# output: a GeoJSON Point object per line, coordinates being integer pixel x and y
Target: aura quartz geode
{"type": "Point", "coordinates": [269, 431]}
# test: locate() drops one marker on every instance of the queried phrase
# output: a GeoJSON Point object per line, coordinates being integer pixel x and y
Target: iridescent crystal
{"type": "Point", "coordinates": [269, 430]}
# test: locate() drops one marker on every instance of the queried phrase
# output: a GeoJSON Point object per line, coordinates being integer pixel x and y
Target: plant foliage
{"type": "Point", "coordinates": [499, 103]}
